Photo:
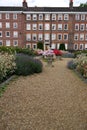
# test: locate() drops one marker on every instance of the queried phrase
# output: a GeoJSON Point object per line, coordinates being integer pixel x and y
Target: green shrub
{"type": "Point", "coordinates": [40, 45]}
{"type": "Point", "coordinates": [27, 65]}
{"type": "Point", "coordinates": [62, 46]}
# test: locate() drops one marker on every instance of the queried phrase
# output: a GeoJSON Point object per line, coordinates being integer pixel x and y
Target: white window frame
{"type": "Point", "coordinates": [8, 43]}
{"type": "Point", "coordinates": [66, 17]}
{"type": "Point", "coordinates": [53, 26]}
{"type": "Point", "coordinates": [60, 17]}
{"type": "Point", "coordinates": [53, 36]}
{"type": "Point", "coordinates": [47, 36]}
{"type": "Point", "coordinates": [40, 27]}
{"type": "Point", "coordinates": [59, 36]}
{"type": "Point", "coordinates": [28, 45]}
{"type": "Point", "coordinates": [0, 24]}
{"type": "Point", "coordinates": [82, 27]}
{"type": "Point", "coordinates": [7, 24]}
{"type": "Point", "coordinates": [82, 37]}
{"type": "Point", "coordinates": [15, 34]}
{"type": "Point", "coordinates": [34, 26]}
{"type": "Point", "coordinates": [0, 33]}
{"type": "Point", "coordinates": [7, 32]}
{"type": "Point", "coordinates": [28, 37]}
{"type": "Point", "coordinates": [47, 26]}
{"type": "Point", "coordinates": [86, 36]}
{"type": "Point", "coordinates": [82, 16]}
{"type": "Point", "coordinates": [40, 36]}
{"type": "Point", "coordinates": [34, 44]}
{"type": "Point", "coordinates": [53, 16]}
{"type": "Point", "coordinates": [1, 42]}
{"type": "Point", "coordinates": [47, 16]}
{"type": "Point", "coordinates": [28, 16]}
{"type": "Point", "coordinates": [40, 16]}
{"type": "Point", "coordinates": [65, 26]}
{"type": "Point", "coordinates": [15, 25]}
{"type": "Point", "coordinates": [65, 34]}
{"type": "Point", "coordinates": [76, 36]}
{"type": "Point", "coordinates": [7, 16]}
{"type": "Point", "coordinates": [28, 26]}
{"type": "Point", "coordinates": [77, 17]}
{"type": "Point", "coordinates": [77, 27]}
{"type": "Point", "coordinates": [34, 16]}
{"type": "Point", "coordinates": [0, 16]}
{"type": "Point", "coordinates": [15, 42]}
{"type": "Point", "coordinates": [15, 16]}
{"type": "Point", "coordinates": [75, 46]}
{"type": "Point", "coordinates": [60, 26]}
{"type": "Point", "coordinates": [34, 37]}
{"type": "Point", "coordinates": [81, 46]}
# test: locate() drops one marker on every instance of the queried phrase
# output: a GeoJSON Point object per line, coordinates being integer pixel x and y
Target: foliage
{"type": "Point", "coordinates": [62, 46]}
{"type": "Point", "coordinates": [79, 64]}
{"type": "Point", "coordinates": [2, 89]}
{"type": "Point", "coordinates": [40, 45]}
{"type": "Point", "coordinates": [7, 65]}
{"type": "Point", "coordinates": [27, 65]}
{"type": "Point", "coordinates": [83, 5]}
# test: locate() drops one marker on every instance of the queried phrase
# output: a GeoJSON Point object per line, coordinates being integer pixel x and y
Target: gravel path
{"type": "Point", "coordinates": [56, 99]}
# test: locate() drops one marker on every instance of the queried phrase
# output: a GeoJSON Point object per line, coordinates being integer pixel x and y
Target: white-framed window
{"type": "Point", "coordinates": [47, 26]}
{"type": "Point", "coordinates": [59, 36]}
{"type": "Point", "coordinates": [53, 16]}
{"type": "Point", "coordinates": [86, 36]}
{"type": "Point", "coordinates": [28, 26]}
{"type": "Point", "coordinates": [15, 25]}
{"type": "Point", "coordinates": [15, 34]}
{"type": "Point", "coordinates": [60, 17]}
{"type": "Point", "coordinates": [77, 17]}
{"type": "Point", "coordinates": [82, 16]}
{"type": "Point", "coordinates": [40, 16]}
{"type": "Point", "coordinates": [66, 46]}
{"type": "Point", "coordinates": [40, 26]}
{"type": "Point", "coordinates": [86, 45]}
{"type": "Point", "coordinates": [15, 42]}
{"type": "Point", "coordinates": [65, 26]}
{"type": "Point", "coordinates": [59, 26]}
{"type": "Point", "coordinates": [75, 46]}
{"type": "Point", "coordinates": [7, 25]}
{"type": "Point", "coordinates": [66, 17]}
{"type": "Point", "coordinates": [7, 33]}
{"type": "Point", "coordinates": [65, 36]}
{"type": "Point", "coordinates": [76, 37]}
{"type": "Point", "coordinates": [34, 16]}
{"type": "Point", "coordinates": [77, 27]}
{"type": "Point", "coordinates": [34, 37]}
{"type": "Point", "coordinates": [81, 47]}
{"type": "Point", "coordinates": [34, 46]}
{"type": "Point", "coordinates": [0, 16]}
{"type": "Point", "coordinates": [53, 36]}
{"type": "Point", "coordinates": [53, 46]}
{"type": "Point", "coordinates": [40, 36]}
{"type": "Point", "coordinates": [7, 16]}
{"type": "Point", "coordinates": [34, 27]}
{"type": "Point", "coordinates": [47, 36]}
{"type": "Point", "coordinates": [82, 27]}
{"type": "Point", "coordinates": [28, 16]}
{"type": "Point", "coordinates": [28, 37]}
{"type": "Point", "coordinates": [0, 24]}
{"type": "Point", "coordinates": [8, 43]}
{"type": "Point", "coordinates": [53, 26]}
{"type": "Point", "coordinates": [0, 33]}
{"type": "Point", "coordinates": [47, 16]}
{"type": "Point", "coordinates": [81, 36]}
{"type": "Point", "coordinates": [1, 42]}
{"type": "Point", "coordinates": [14, 16]}
{"type": "Point", "coordinates": [28, 45]}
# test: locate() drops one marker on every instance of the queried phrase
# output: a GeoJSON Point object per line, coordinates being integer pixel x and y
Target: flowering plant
{"type": "Point", "coordinates": [7, 65]}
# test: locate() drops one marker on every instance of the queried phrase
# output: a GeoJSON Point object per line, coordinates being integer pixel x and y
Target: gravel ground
{"type": "Point", "coordinates": [55, 99]}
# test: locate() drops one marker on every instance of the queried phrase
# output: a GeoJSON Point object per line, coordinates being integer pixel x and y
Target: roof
{"type": "Point", "coordinates": [43, 9]}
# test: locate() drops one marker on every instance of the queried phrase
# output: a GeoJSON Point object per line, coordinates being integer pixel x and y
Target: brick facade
{"type": "Point", "coordinates": [26, 26]}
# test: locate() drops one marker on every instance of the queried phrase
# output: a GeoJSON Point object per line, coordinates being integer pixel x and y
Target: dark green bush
{"type": "Point", "coordinates": [40, 45]}
{"type": "Point", "coordinates": [71, 65]}
{"type": "Point", "coordinates": [62, 46]}
{"type": "Point", "coordinates": [27, 65]}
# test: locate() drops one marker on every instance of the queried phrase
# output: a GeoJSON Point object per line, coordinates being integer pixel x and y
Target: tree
{"type": "Point", "coordinates": [62, 46]}
{"type": "Point", "coordinates": [40, 45]}
{"type": "Point", "coordinates": [83, 5]}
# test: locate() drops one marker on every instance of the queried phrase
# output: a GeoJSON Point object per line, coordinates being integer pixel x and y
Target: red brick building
{"type": "Point", "coordinates": [25, 26]}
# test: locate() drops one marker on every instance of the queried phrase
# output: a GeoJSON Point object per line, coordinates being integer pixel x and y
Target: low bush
{"type": "Point", "coordinates": [27, 65]}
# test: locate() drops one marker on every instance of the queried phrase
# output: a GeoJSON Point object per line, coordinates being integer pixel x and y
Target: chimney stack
{"type": "Point", "coordinates": [24, 4]}
{"type": "Point", "coordinates": [71, 4]}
